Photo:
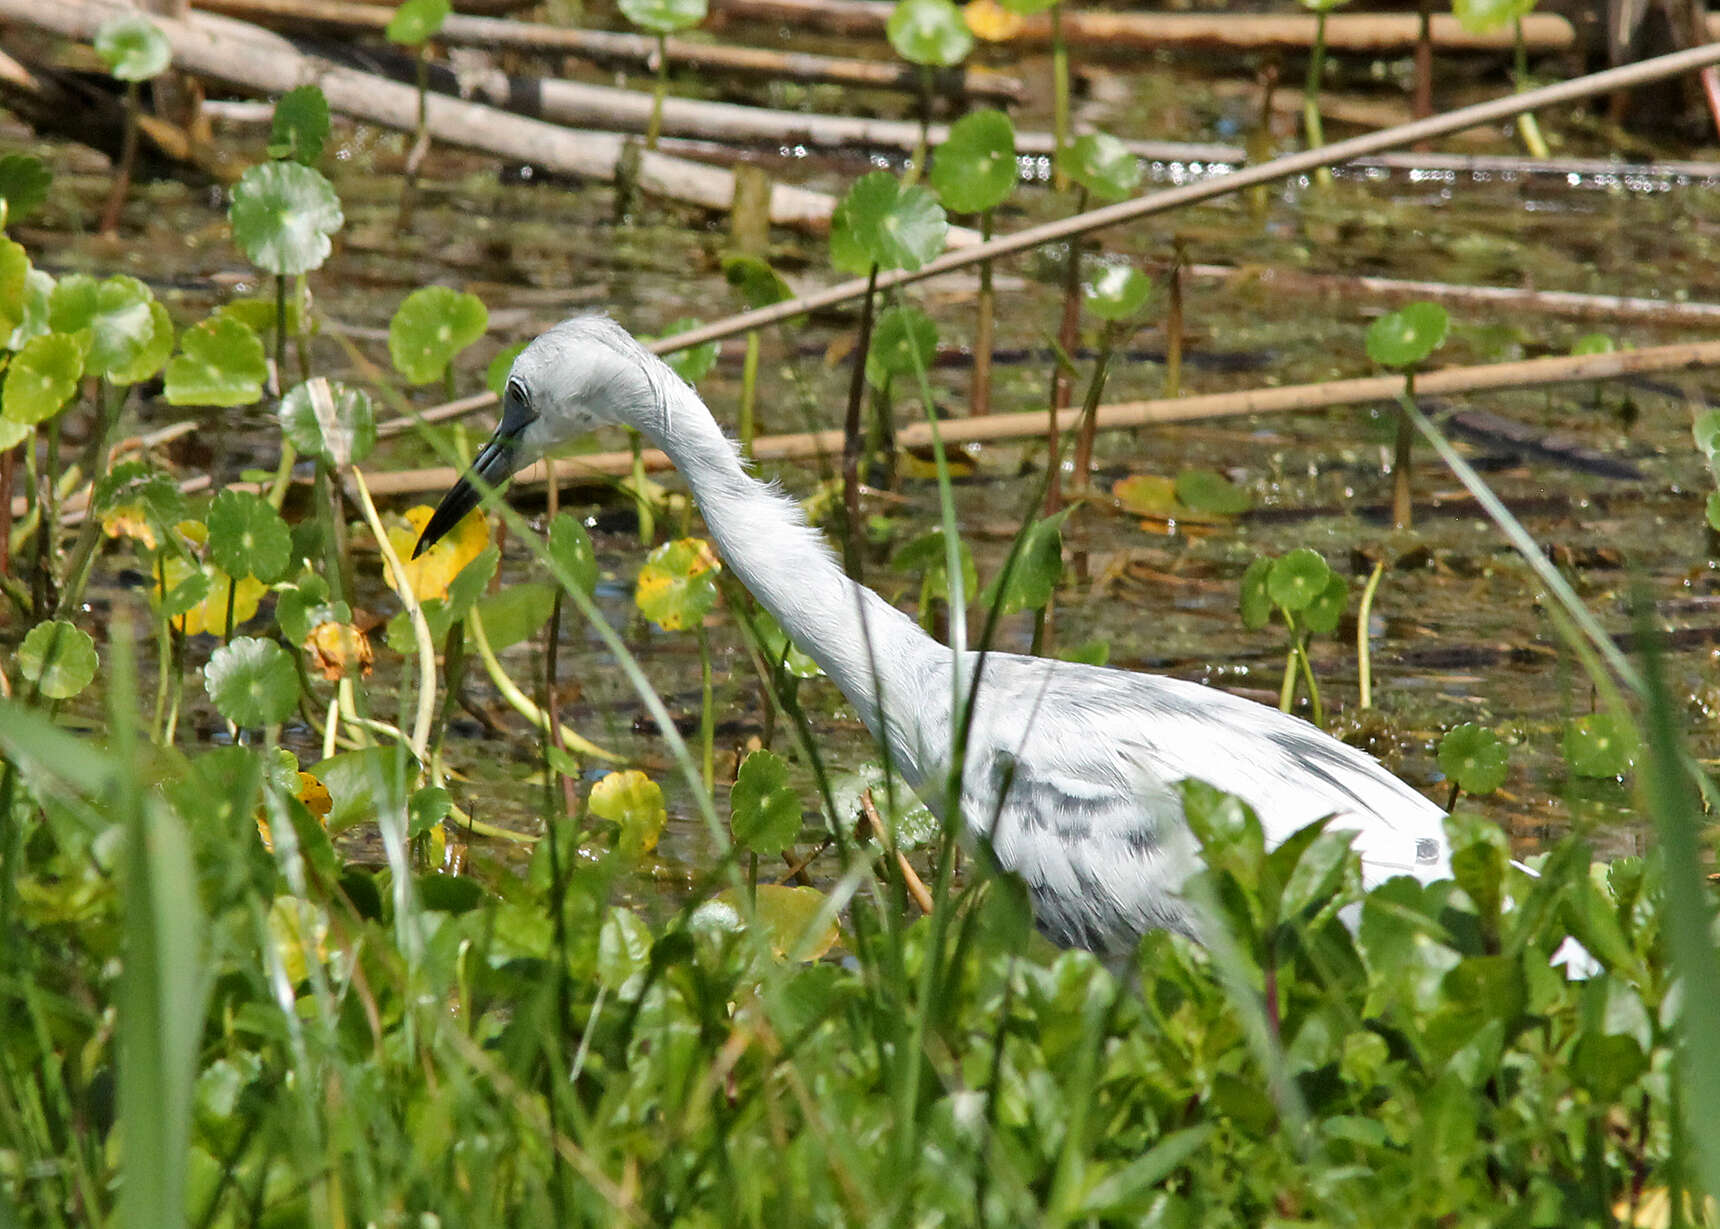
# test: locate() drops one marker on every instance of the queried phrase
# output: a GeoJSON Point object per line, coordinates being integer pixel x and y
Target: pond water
{"type": "Point", "coordinates": [1457, 633]}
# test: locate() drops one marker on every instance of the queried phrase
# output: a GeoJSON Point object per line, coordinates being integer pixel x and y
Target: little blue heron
{"type": "Point", "coordinates": [1072, 771]}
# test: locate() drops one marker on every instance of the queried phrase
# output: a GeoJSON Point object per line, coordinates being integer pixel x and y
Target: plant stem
{"type": "Point", "coordinates": [1174, 323]}
{"type": "Point", "coordinates": [853, 536]}
{"type": "Point", "coordinates": [96, 459]}
{"type": "Point", "coordinates": [127, 158]}
{"type": "Point", "coordinates": [922, 148]}
{"type": "Point", "coordinates": [707, 714]}
{"type": "Point", "coordinates": [420, 741]}
{"type": "Point", "coordinates": [658, 91]}
{"type": "Point", "coordinates": [1403, 510]}
{"type": "Point", "coordinates": [1313, 130]}
{"type": "Point", "coordinates": [1088, 426]}
{"type": "Point", "coordinates": [1317, 711]}
{"type": "Point", "coordinates": [979, 399]}
{"type": "Point", "coordinates": [1059, 99]}
{"type": "Point", "coordinates": [519, 701]}
{"type": "Point", "coordinates": [641, 499]}
{"type": "Point", "coordinates": [1287, 689]}
{"type": "Point", "coordinates": [1364, 655]}
{"type": "Point", "coordinates": [280, 333]}
{"type": "Point", "coordinates": [1527, 127]}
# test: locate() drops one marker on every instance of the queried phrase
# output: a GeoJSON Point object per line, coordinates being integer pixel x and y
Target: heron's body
{"type": "Point", "coordinates": [1072, 772]}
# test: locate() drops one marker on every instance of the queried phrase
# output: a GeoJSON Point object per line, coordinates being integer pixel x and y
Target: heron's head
{"type": "Point", "coordinates": [584, 373]}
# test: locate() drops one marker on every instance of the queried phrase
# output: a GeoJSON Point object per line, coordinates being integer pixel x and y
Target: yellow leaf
{"type": "Point", "coordinates": [313, 793]}
{"type": "Point", "coordinates": [991, 21]}
{"type": "Point", "coordinates": [634, 801]}
{"type": "Point", "coordinates": [210, 615]}
{"type": "Point", "coordinates": [431, 573]}
{"type": "Point", "coordinates": [788, 915]}
{"type": "Point", "coordinates": [128, 521]}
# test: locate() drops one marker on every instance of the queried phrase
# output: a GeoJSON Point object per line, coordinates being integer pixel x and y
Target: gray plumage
{"type": "Point", "coordinates": [1072, 772]}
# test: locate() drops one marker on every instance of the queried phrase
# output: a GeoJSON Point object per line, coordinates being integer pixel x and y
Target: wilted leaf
{"type": "Point", "coordinates": [677, 587]}
{"type": "Point", "coordinates": [431, 573]}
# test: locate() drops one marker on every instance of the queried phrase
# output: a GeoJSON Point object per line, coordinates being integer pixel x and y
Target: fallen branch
{"type": "Point", "coordinates": [1136, 31]}
{"type": "Point", "coordinates": [257, 61]}
{"type": "Point", "coordinates": [1298, 398]}
{"type": "Point", "coordinates": [607, 47]}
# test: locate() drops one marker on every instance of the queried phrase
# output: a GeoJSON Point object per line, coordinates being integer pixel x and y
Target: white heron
{"type": "Point", "coordinates": [1072, 772]}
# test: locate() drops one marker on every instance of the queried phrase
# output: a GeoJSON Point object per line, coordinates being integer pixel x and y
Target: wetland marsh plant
{"type": "Point", "coordinates": [1309, 598]}
{"type": "Point", "coordinates": [1484, 16]}
{"type": "Point", "coordinates": [662, 18]}
{"type": "Point", "coordinates": [413, 25]}
{"type": "Point", "coordinates": [1403, 340]}
{"type": "Point", "coordinates": [1313, 130]}
{"type": "Point", "coordinates": [134, 50]}
{"type": "Point", "coordinates": [932, 35]}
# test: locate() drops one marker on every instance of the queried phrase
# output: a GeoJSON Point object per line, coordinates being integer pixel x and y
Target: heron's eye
{"type": "Point", "coordinates": [517, 393]}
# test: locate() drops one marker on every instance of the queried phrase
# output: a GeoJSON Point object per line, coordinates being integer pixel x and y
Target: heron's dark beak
{"type": "Point", "coordinates": [494, 465]}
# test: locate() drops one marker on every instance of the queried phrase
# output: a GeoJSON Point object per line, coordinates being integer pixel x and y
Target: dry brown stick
{"type": "Point", "coordinates": [911, 880]}
{"type": "Point", "coordinates": [1135, 31]}
{"type": "Point", "coordinates": [1612, 308]}
{"type": "Point", "coordinates": [255, 60]}
{"type": "Point", "coordinates": [608, 47]}
{"type": "Point", "coordinates": [1445, 382]}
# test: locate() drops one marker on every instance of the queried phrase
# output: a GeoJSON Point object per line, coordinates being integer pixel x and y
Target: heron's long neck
{"type": "Point", "coordinates": [868, 648]}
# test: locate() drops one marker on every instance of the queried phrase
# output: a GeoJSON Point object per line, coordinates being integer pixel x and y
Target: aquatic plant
{"type": "Point", "coordinates": [1403, 340]}
{"type": "Point", "coordinates": [134, 50]}
{"type": "Point", "coordinates": [1309, 598]}
{"type": "Point", "coordinates": [662, 18]}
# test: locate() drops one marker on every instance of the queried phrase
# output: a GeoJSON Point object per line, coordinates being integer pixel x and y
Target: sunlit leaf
{"type": "Point", "coordinates": [975, 169]}
{"type": "Point", "coordinates": [635, 802]}
{"type": "Point", "coordinates": [252, 682]}
{"type": "Point", "coordinates": [247, 537]}
{"type": "Point", "coordinates": [282, 215]}
{"type": "Point", "coordinates": [301, 125]}
{"type": "Point", "coordinates": [1117, 292]}
{"type": "Point", "coordinates": [991, 22]}
{"type": "Point", "coordinates": [764, 809]}
{"type": "Point", "coordinates": [417, 21]}
{"type": "Point", "coordinates": [365, 784]}
{"type": "Point", "coordinates": [881, 222]}
{"type": "Point", "coordinates": [1405, 338]}
{"type": "Point", "coordinates": [1038, 568]}
{"type": "Point", "coordinates": [220, 363]}
{"type": "Point", "coordinates": [59, 657]}
{"type": "Point", "coordinates": [1594, 343]}
{"type": "Point", "coordinates": [929, 32]}
{"type": "Point", "coordinates": [151, 356]}
{"type": "Point", "coordinates": [664, 16]}
{"type": "Point", "coordinates": [1102, 164]}
{"type": "Point", "coordinates": [1481, 16]}
{"type": "Point", "coordinates": [431, 326]}
{"type": "Point", "coordinates": [623, 952]}
{"type": "Point", "coordinates": [1600, 745]}
{"type": "Point", "coordinates": [1297, 578]}
{"type": "Point", "coordinates": [41, 378]}
{"type": "Point", "coordinates": [116, 312]}
{"type": "Point", "coordinates": [1027, 8]}
{"type": "Point", "coordinates": [677, 587]}
{"type": "Point", "coordinates": [1474, 758]}
{"type": "Point", "coordinates": [14, 286]}
{"type": "Point", "coordinates": [133, 47]}
{"type": "Point", "coordinates": [332, 421]}
{"type": "Point", "coordinates": [431, 573]}
{"type": "Point", "coordinates": [790, 918]}
{"type": "Point", "coordinates": [1152, 495]}
{"type": "Point", "coordinates": [32, 318]}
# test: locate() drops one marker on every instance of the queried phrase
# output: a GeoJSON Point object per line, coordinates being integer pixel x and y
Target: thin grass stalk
{"type": "Point", "coordinates": [749, 393]}
{"type": "Point", "coordinates": [1174, 324]}
{"type": "Point", "coordinates": [127, 160]}
{"type": "Point", "coordinates": [1059, 98]}
{"type": "Point", "coordinates": [1527, 126]}
{"type": "Point", "coordinates": [426, 691]}
{"type": "Point", "coordinates": [1403, 505]}
{"type": "Point", "coordinates": [1364, 640]}
{"type": "Point", "coordinates": [707, 713]}
{"type": "Point", "coordinates": [853, 536]}
{"type": "Point", "coordinates": [659, 89]}
{"type": "Point", "coordinates": [1313, 128]}
{"type": "Point", "coordinates": [1088, 425]}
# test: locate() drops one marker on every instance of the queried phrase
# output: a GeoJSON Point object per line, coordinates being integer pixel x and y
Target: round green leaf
{"type": "Point", "coordinates": [764, 810]}
{"type": "Point", "coordinates": [904, 340]}
{"type": "Point", "coordinates": [929, 32]}
{"type": "Point", "coordinates": [1297, 578]}
{"type": "Point", "coordinates": [1207, 490]}
{"type": "Point", "coordinates": [1474, 758]}
{"type": "Point", "coordinates": [1481, 16]}
{"type": "Point", "coordinates": [154, 352]}
{"type": "Point", "coordinates": [417, 21]}
{"type": "Point", "coordinates": [1405, 338]}
{"type": "Point", "coordinates": [1253, 600]}
{"type": "Point", "coordinates": [14, 286]}
{"type": "Point", "coordinates": [432, 325]}
{"type": "Point", "coordinates": [1117, 292]}
{"type": "Point", "coordinates": [220, 363]}
{"type": "Point", "coordinates": [1594, 343]}
{"type": "Point", "coordinates": [24, 182]}
{"type": "Point", "coordinates": [114, 310]}
{"type": "Point", "coordinates": [1102, 164]}
{"type": "Point", "coordinates": [282, 215]}
{"type": "Point", "coordinates": [759, 284]}
{"type": "Point", "coordinates": [331, 421]}
{"type": "Point", "coordinates": [677, 587]}
{"type": "Point", "coordinates": [1600, 745]}
{"type": "Point", "coordinates": [635, 802]}
{"type": "Point", "coordinates": [693, 364]}
{"type": "Point", "coordinates": [975, 169]}
{"type": "Point", "coordinates": [664, 16]}
{"type": "Point", "coordinates": [1327, 609]}
{"type": "Point", "coordinates": [301, 125]}
{"type": "Point", "coordinates": [571, 547]}
{"type": "Point", "coordinates": [881, 222]}
{"type": "Point", "coordinates": [41, 378]}
{"type": "Point", "coordinates": [38, 292]}
{"type": "Point", "coordinates": [59, 657]}
{"type": "Point", "coordinates": [133, 48]}
{"type": "Point", "coordinates": [252, 682]}
{"type": "Point", "coordinates": [247, 537]}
